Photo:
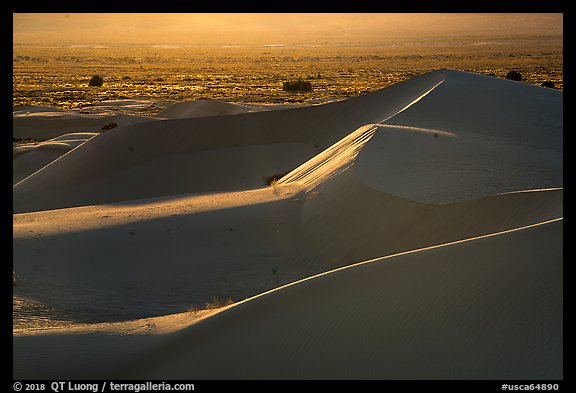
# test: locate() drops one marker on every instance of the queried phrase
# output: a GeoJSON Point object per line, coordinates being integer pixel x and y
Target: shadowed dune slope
{"type": "Point", "coordinates": [347, 221]}
{"type": "Point", "coordinates": [30, 157]}
{"type": "Point", "coordinates": [51, 123]}
{"type": "Point", "coordinates": [201, 108]}
{"type": "Point", "coordinates": [431, 166]}
{"type": "Point", "coordinates": [489, 308]}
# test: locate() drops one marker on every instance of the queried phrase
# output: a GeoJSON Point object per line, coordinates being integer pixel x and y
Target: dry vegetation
{"type": "Point", "coordinates": [218, 302]}
{"type": "Point", "coordinates": [58, 76]}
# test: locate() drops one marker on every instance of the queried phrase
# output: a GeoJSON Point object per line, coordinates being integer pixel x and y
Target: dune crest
{"type": "Point", "coordinates": [201, 108]}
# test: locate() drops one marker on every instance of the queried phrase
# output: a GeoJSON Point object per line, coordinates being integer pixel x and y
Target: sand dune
{"type": "Point", "coordinates": [457, 312]}
{"type": "Point", "coordinates": [308, 130]}
{"type": "Point", "coordinates": [27, 109]}
{"type": "Point", "coordinates": [131, 152]}
{"type": "Point", "coordinates": [202, 108]}
{"type": "Point", "coordinates": [153, 218]}
{"type": "Point", "coordinates": [40, 123]}
{"type": "Point", "coordinates": [208, 108]}
{"type": "Point", "coordinates": [460, 311]}
{"type": "Point", "coordinates": [508, 111]}
{"type": "Point", "coordinates": [30, 157]}
{"type": "Point", "coordinates": [43, 122]}
{"type": "Point", "coordinates": [43, 125]}
{"type": "Point", "coordinates": [234, 244]}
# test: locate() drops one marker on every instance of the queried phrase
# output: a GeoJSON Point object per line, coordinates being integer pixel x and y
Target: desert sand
{"type": "Point", "coordinates": [417, 234]}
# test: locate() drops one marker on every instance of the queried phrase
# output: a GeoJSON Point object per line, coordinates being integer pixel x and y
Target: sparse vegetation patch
{"type": "Point", "coordinates": [109, 126]}
{"type": "Point", "coordinates": [297, 85]}
{"type": "Point", "coordinates": [271, 180]}
{"type": "Point", "coordinates": [96, 81]}
{"type": "Point", "coordinates": [514, 75]}
{"type": "Point", "coordinates": [218, 302]}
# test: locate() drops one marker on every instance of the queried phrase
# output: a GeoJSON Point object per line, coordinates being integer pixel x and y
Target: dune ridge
{"type": "Point", "coordinates": [201, 108]}
{"type": "Point", "coordinates": [30, 157]}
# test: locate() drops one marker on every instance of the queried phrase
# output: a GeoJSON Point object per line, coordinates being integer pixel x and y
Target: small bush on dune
{"type": "Point", "coordinates": [218, 303]}
{"type": "Point", "coordinates": [109, 126]}
{"type": "Point", "coordinates": [297, 85]}
{"type": "Point", "coordinates": [514, 75]}
{"type": "Point", "coordinates": [549, 84]}
{"type": "Point", "coordinates": [272, 180]}
{"type": "Point", "coordinates": [96, 81]}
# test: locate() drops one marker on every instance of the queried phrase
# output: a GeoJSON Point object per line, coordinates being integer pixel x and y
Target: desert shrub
{"type": "Point", "coordinates": [109, 126]}
{"type": "Point", "coordinates": [549, 84]}
{"type": "Point", "coordinates": [297, 85]}
{"type": "Point", "coordinates": [271, 180]}
{"type": "Point", "coordinates": [96, 81]}
{"type": "Point", "coordinates": [218, 303]}
{"type": "Point", "coordinates": [514, 75]}
{"type": "Point", "coordinates": [126, 78]}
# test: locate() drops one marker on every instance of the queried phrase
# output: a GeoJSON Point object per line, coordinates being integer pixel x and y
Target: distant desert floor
{"type": "Point", "coordinates": [413, 232]}
{"type": "Point", "coordinates": [57, 74]}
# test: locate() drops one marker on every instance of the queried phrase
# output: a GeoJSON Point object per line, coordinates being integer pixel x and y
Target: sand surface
{"type": "Point", "coordinates": [417, 234]}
